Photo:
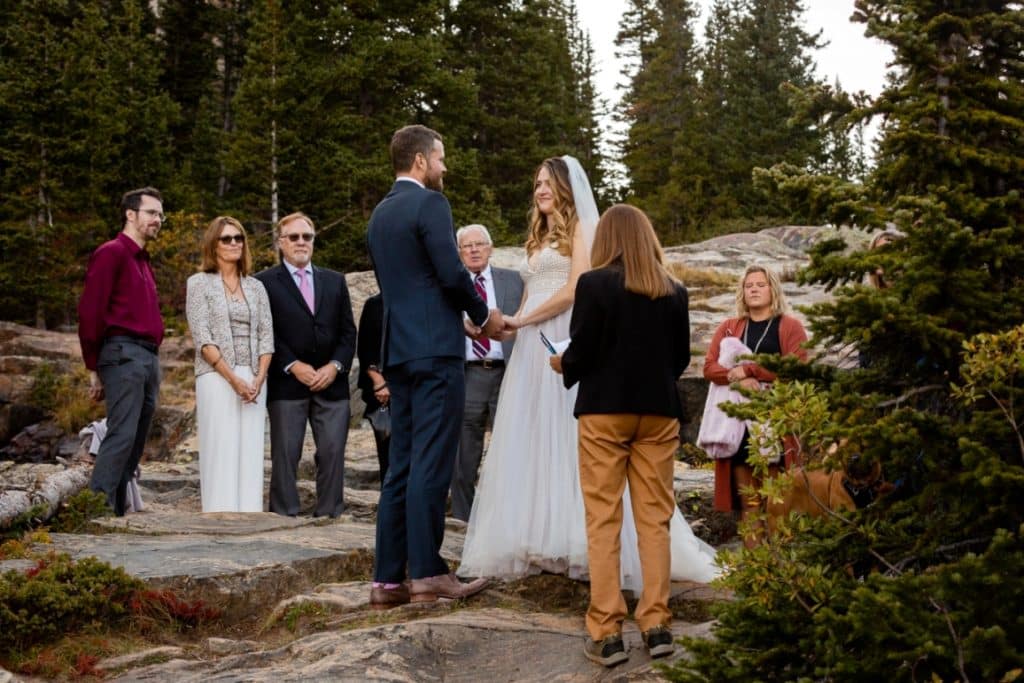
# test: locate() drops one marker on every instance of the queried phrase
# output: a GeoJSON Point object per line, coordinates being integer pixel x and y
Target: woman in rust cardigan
{"type": "Point", "coordinates": [764, 324]}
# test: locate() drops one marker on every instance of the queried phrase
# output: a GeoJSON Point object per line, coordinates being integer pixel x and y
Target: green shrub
{"type": "Point", "coordinates": [77, 511]}
{"type": "Point", "coordinates": [60, 595]}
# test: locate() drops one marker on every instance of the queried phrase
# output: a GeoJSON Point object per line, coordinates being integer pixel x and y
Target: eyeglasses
{"type": "Point", "coordinates": [228, 239]}
{"type": "Point", "coordinates": [153, 213]}
{"type": "Point", "coordinates": [296, 236]}
{"type": "Point", "coordinates": [474, 245]}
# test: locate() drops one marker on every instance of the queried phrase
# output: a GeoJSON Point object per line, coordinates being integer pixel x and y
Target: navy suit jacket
{"type": "Point", "coordinates": [314, 338]}
{"type": "Point", "coordinates": [424, 284]}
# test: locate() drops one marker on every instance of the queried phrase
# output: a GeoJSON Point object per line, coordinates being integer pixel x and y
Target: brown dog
{"type": "Point", "coordinates": [815, 492]}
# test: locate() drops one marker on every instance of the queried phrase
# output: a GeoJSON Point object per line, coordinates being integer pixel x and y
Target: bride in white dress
{"type": "Point", "coordinates": [528, 515]}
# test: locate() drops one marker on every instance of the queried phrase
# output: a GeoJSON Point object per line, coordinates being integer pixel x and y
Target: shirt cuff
{"type": "Point", "coordinates": [288, 368]}
{"type": "Point", "coordinates": [337, 365]}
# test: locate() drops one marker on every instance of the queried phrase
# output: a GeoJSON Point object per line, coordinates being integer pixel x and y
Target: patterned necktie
{"type": "Point", "coordinates": [305, 288]}
{"type": "Point", "coordinates": [481, 346]}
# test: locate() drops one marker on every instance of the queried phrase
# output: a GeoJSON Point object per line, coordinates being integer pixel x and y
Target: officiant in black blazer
{"type": "Point", "coordinates": [630, 334]}
{"type": "Point", "coordinates": [314, 342]}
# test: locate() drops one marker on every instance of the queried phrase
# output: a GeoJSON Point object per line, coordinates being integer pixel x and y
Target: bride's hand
{"type": "Point", "coordinates": [512, 323]}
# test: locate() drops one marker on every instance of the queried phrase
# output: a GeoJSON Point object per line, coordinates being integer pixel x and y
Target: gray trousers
{"type": "Point", "coordinates": [329, 422]}
{"type": "Point", "coordinates": [482, 387]}
{"type": "Point", "coordinates": [131, 384]}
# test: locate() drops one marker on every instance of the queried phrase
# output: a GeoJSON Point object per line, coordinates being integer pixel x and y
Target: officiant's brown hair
{"type": "Point", "coordinates": [625, 238]}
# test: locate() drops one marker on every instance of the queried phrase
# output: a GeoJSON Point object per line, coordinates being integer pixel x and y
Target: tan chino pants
{"type": "Point", "coordinates": [640, 449]}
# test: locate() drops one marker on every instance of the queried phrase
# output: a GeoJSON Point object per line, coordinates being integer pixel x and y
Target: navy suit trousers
{"type": "Point", "coordinates": [427, 400]}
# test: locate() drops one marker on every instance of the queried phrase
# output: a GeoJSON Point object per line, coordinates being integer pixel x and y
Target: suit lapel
{"type": "Point", "coordinates": [288, 282]}
{"type": "Point", "coordinates": [501, 292]}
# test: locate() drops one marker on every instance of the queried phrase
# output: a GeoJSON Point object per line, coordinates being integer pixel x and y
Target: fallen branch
{"type": "Point", "coordinates": [53, 491]}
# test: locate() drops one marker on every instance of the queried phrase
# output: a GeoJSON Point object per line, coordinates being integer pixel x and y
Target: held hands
{"type": "Point", "coordinates": [244, 390]}
{"type": "Point", "coordinates": [495, 324]}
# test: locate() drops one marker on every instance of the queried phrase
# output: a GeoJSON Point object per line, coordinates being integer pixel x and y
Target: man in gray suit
{"type": "Point", "coordinates": [485, 361]}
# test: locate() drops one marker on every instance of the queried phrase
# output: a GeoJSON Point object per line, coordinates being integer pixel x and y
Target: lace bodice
{"type": "Point", "coordinates": [547, 271]}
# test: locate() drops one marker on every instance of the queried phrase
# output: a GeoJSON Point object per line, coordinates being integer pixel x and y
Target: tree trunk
{"type": "Point", "coordinates": [53, 491]}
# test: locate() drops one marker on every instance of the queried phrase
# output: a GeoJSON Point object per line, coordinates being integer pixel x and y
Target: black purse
{"type": "Point", "coordinates": [380, 420]}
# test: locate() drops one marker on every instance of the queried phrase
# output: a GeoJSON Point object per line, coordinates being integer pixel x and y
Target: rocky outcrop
{"type": "Point", "coordinates": [293, 592]}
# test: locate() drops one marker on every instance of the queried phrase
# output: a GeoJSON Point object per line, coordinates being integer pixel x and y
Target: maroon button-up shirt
{"type": "Point", "coordinates": [119, 298]}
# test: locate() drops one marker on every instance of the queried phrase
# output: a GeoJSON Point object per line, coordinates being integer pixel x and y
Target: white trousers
{"type": "Point", "coordinates": [231, 444]}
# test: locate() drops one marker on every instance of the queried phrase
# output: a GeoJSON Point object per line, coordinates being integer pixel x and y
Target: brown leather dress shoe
{"type": "Point", "coordinates": [385, 598]}
{"type": "Point", "coordinates": [445, 586]}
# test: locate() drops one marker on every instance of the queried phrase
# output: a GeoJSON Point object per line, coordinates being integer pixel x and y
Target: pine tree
{"type": "Point", "coordinates": [921, 584]}
{"type": "Point", "coordinates": [661, 150]}
{"type": "Point", "coordinates": [535, 105]}
{"type": "Point", "coordinates": [765, 49]}
{"type": "Point", "coordinates": [83, 118]}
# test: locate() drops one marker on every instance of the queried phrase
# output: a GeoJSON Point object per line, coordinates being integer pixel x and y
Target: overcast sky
{"type": "Point", "coordinates": [859, 62]}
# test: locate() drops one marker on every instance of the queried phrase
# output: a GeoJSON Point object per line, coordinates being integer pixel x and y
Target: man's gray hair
{"type": "Point", "coordinates": [473, 226]}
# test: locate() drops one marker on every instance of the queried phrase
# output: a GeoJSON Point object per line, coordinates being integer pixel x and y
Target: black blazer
{"type": "Point", "coordinates": [627, 351]}
{"type": "Point", "coordinates": [329, 334]}
{"type": "Point", "coordinates": [424, 284]}
{"type": "Point", "coordinates": [371, 323]}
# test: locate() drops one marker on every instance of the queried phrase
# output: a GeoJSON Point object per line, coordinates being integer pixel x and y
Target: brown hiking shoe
{"type": "Point", "coordinates": [659, 641]}
{"type": "Point", "coordinates": [608, 652]}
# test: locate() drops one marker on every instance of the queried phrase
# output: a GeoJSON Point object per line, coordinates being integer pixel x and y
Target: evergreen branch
{"type": "Point", "coordinates": [913, 392]}
{"type": "Point", "coordinates": [956, 640]}
{"type": "Point", "coordinates": [939, 550]}
{"type": "Point", "coordinates": [1008, 414]}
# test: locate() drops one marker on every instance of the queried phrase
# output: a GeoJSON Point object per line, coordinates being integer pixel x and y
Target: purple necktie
{"type": "Point", "coordinates": [305, 288]}
{"type": "Point", "coordinates": [481, 346]}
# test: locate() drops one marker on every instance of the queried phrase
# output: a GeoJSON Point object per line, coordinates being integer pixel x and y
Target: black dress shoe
{"type": "Point", "coordinates": [607, 652]}
{"type": "Point", "coordinates": [659, 641]}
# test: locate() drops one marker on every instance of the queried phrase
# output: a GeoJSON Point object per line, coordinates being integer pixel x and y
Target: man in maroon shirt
{"type": "Point", "coordinates": [120, 329]}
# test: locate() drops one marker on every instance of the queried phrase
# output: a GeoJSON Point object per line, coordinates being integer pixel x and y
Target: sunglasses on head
{"type": "Point", "coordinates": [296, 236]}
{"type": "Point", "coordinates": [228, 239]}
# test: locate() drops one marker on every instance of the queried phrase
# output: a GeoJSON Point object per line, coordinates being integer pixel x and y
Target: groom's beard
{"type": "Point", "coordinates": [434, 182]}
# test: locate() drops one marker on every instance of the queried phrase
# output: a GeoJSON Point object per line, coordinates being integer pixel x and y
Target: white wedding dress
{"type": "Point", "coordinates": [527, 514]}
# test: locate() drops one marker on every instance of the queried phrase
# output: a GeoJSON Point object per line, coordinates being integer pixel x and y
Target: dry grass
{"type": "Point", "coordinates": [704, 278]}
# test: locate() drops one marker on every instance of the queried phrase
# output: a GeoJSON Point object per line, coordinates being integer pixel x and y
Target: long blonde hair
{"type": "Point", "coordinates": [625, 235]}
{"type": "Point", "coordinates": [779, 304]}
{"type": "Point", "coordinates": [563, 218]}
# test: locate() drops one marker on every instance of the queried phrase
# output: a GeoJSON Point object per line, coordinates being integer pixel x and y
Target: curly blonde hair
{"type": "Point", "coordinates": [563, 219]}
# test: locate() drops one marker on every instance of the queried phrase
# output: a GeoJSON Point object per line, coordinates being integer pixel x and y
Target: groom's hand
{"type": "Point", "coordinates": [556, 363]}
{"type": "Point", "coordinates": [472, 331]}
{"type": "Point", "coordinates": [494, 325]}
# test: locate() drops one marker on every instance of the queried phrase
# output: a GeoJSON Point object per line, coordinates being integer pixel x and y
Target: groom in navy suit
{"type": "Point", "coordinates": [425, 288]}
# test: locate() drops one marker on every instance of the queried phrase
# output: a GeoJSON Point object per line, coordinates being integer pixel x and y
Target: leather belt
{"type": "Point", "coordinates": [125, 339]}
{"type": "Point", "coordinates": [486, 363]}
